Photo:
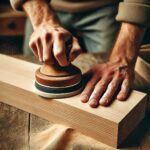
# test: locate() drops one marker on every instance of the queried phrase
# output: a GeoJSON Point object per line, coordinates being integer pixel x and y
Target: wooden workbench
{"type": "Point", "coordinates": [18, 127]}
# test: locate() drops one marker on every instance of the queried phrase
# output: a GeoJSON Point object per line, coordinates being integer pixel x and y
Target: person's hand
{"type": "Point", "coordinates": [54, 42]}
{"type": "Point", "coordinates": [107, 81]}
{"type": "Point", "coordinates": [50, 41]}
{"type": "Point", "coordinates": [114, 79]}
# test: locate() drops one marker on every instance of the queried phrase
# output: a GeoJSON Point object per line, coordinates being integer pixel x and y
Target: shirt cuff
{"type": "Point", "coordinates": [17, 4]}
{"type": "Point", "coordinates": [134, 13]}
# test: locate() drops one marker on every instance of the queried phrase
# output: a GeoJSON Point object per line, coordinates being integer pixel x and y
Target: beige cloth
{"type": "Point", "coordinates": [59, 137]}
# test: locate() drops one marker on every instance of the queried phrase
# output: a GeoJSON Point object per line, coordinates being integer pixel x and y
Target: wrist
{"type": "Point", "coordinates": [127, 44]}
{"type": "Point", "coordinates": [40, 13]}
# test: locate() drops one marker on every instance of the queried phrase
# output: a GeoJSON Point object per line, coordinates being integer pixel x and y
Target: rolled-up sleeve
{"type": "Point", "coordinates": [134, 11]}
{"type": "Point", "coordinates": [17, 4]}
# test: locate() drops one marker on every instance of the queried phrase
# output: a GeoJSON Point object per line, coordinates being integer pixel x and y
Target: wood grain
{"type": "Point", "coordinates": [104, 124]}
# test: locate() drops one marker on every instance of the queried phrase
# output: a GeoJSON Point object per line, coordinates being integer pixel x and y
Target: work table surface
{"type": "Point", "coordinates": [18, 127]}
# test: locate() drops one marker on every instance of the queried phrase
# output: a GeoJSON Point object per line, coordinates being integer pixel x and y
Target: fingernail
{"type": "Point", "coordinates": [84, 98]}
{"type": "Point", "coordinates": [104, 102]}
{"type": "Point", "coordinates": [93, 103]}
{"type": "Point", "coordinates": [120, 98]}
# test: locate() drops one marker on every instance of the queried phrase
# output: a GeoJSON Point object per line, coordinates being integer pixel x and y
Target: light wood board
{"type": "Point", "coordinates": [110, 125]}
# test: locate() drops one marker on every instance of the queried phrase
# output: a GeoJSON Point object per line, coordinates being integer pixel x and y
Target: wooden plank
{"type": "Point", "coordinates": [104, 123]}
{"type": "Point", "coordinates": [13, 128]}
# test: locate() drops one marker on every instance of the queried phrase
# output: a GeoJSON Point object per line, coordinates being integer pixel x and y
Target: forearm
{"type": "Point", "coordinates": [127, 44]}
{"type": "Point", "coordinates": [40, 13]}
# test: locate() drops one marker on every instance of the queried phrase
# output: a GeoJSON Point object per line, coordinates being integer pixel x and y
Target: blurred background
{"type": "Point", "coordinates": [12, 25]}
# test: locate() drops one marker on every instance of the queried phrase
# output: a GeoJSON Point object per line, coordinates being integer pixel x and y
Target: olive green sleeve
{"type": "Point", "coordinates": [134, 11]}
{"type": "Point", "coordinates": [17, 4]}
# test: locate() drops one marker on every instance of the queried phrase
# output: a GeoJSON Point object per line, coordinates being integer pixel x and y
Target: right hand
{"type": "Point", "coordinates": [50, 42]}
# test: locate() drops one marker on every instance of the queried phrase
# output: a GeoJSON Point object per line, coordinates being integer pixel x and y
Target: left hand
{"type": "Point", "coordinates": [107, 81]}
{"type": "Point", "coordinates": [115, 78]}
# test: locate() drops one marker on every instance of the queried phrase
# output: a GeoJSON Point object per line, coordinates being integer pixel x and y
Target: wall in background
{"type": "Point", "coordinates": [12, 25]}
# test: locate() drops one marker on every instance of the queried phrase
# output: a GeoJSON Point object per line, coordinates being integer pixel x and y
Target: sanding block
{"type": "Point", "coordinates": [54, 81]}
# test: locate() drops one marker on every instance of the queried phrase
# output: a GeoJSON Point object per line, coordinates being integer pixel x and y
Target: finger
{"type": "Point", "coordinates": [98, 91]}
{"type": "Point", "coordinates": [59, 51]}
{"type": "Point", "coordinates": [87, 76]}
{"type": "Point", "coordinates": [125, 88]}
{"type": "Point", "coordinates": [47, 47]}
{"type": "Point", "coordinates": [47, 52]}
{"type": "Point", "coordinates": [76, 49]}
{"type": "Point", "coordinates": [39, 49]}
{"type": "Point", "coordinates": [32, 45]}
{"type": "Point", "coordinates": [111, 89]}
{"type": "Point", "coordinates": [88, 89]}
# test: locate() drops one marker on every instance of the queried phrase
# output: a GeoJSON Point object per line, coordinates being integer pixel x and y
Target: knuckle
{"type": "Point", "coordinates": [33, 42]}
{"type": "Point", "coordinates": [60, 35]}
{"type": "Point", "coordinates": [46, 58]}
{"type": "Point", "coordinates": [95, 95]}
{"type": "Point", "coordinates": [37, 40]}
{"type": "Point", "coordinates": [31, 45]}
{"type": "Point", "coordinates": [102, 85]}
{"type": "Point", "coordinates": [112, 85]}
{"type": "Point", "coordinates": [45, 36]}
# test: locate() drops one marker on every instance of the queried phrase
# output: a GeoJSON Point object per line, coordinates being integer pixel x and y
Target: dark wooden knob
{"type": "Point", "coordinates": [12, 25]}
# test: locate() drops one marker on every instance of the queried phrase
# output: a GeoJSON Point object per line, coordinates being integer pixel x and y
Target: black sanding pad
{"type": "Point", "coordinates": [57, 92]}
